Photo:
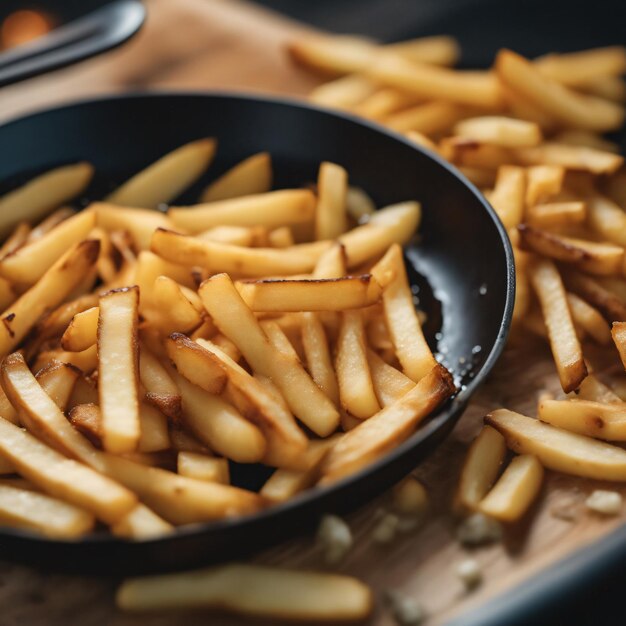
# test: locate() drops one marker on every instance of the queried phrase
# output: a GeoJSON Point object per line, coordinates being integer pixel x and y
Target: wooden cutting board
{"type": "Point", "coordinates": [200, 44]}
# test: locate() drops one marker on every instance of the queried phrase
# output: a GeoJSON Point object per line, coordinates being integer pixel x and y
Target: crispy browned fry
{"type": "Point", "coordinates": [551, 214]}
{"type": "Point", "coordinates": [479, 89]}
{"type": "Point", "coordinates": [118, 365]}
{"type": "Point", "coordinates": [318, 357]}
{"type": "Point", "coordinates": [82, 331]}
{"type": "Point", "coordinates": [31, 261]}
{"type": "Point", "coordinates": [271, 209]}
{"type": "Point", "coordinates": [25, 508]}
{"type": "Point", "coordinates": [250, 176]}
{"type": "Point", "coordinates": [507, 197]}
{"type": "Point", "coordinates": [356, 390]}
{"type": "Point", "coordinates": [402, 321]}
{"type": "Point", "coordinates": [481, 467]}
{"type": "Point", "coordinates": [566, 349]}
{"type": "Point", "coordinates": [237, 322]}
{"type": "Point", "coordinates": [42, 194]}
{"type": "Point", "coordinates": [388, 428]}
{"type": "Point", "coordinates": [51, 289]}
{"type": "Point", "coordinates": [254, 590]}
{"type": "Point", "coordinates": [558, 449]}
{"type": "Point", "coordinates": [570, 157]}
{"type": "Point", "coordinates": [589, 319]}
{"type": "Point", "coordinates": [86, 361]}
{"type": "Point", "coordinates": [161, 390]}
{"type": "Point", "coordinates": [612, 306]}
{"type": "Point", "coordinates": [165, 179]}
{"type": "Point", "coordinates": [330, 213]}
{"type": "Point", "coordinates": [619, 337]}
{"type": "Point", "coordinates": [329, 294]}
{"type": "Point", "coordinates": [515, 491]}
{"type": "Point", "coordinates": [501, 131]}
{"type": "Point", "coordinates": [569, 107]}
{"type": "Point", "coordinates": [203, 467]}
{"type": "Point", "coordinates": [586, 417]}
{"type": "Point", "coordinates": [589, 256]}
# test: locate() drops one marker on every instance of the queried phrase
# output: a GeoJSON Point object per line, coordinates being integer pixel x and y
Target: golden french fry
{"type": "Point", "coordinates": [586, 139]}
{"type": "Point", "coordinates": [58, 382]}
{"type": "Point", "coordinates": [343, 93]}
{"type": "Point", "coordinates": [237, 322]}
{"type": "Point", "coordinates": [590, 319]}
{"type": "Point", "coordinates": [17, 238]}
{"type": "Point", "coordinates": [24, 508]}
{"type": "Point", "coordinates": [150, 267]}
{"type": "Point", "coordinates": [479, 89]}
{"type": "Point", "coordinates": [608, 87]}
{"type": "Point", "coordinates": [169, 310]}
{"type": "Point", "coordinates": [251, 176]}
{"type": "Point", "coordinates": [51, 289]}
{"type": "Point", "coordinates": [161, 390]}
{"type": "Point", "coordinates": [515, 491]}
{"type": "Point", "coordinates": [422, 140]}
{"type": "Point", "coordinates": [500, 131]}
{"type": "Point", "coordinates": [8, 294]}
{"type": "Point", "coordinates": [86, 361]}
{"type": "Point", "coordinates": [618, 333]}
{"type": "Point", "coordinates": [388, 428]}
{"type": "Point", "coordinates": [30, 262]}
{"type": "Point", "coordinates": [429, 118]}
{"type": "Point", "coordinates": [569, 107]}
{"type": "Point", "coordinates": [404, 326]}
{"type": "Point", "coordinates": [507, 197]}
{"type": "Point", "coordinates": [588, 256]}
{"type": "Point", "coordinates": [579, 69]}
{"type": "Point", "coordinates": [281, 237]}
{"type": "Point", "coordinates": [331, 263]}
{"type": "Point", "coordinates": [329, 294]}
{"type": "Point", "coordinates": [389, 383]}
{"type": "Point", "coordinates": [234, 235]}
{"type": "Point", "coordinates": [318, 357]}
{"type": "Point", "coordinates": [203, 467]}
{"type": "Point", "coordinates": [271, 209]}
{"type": "Point", "coordinates": [332, 189]}
{"type": "Point", "coordinates": [553, 214]}
{"type": "Point", "coordinates": [570, 157]}
{"type": "Point", "coordinates": [566, 349]}
{"type": "Point", "coordinates": [542, 182]}
{"type": "Point", "coordinates": [481, 467]}
{"type": "Point", "coordinates": [82, 331]}
{"type": "Point", "coordinates": [437, 50]}
{"type": "Point", "coordinates": [254, 590]}
{"type": "Point", "coordinates": [167, 178]}
{"type": "Point", "coordinates": [610, 304]}
{"type": "Point", "coordinates": [607, 219]}
{"type": "Point", "coordinates": [42, 194]}
{"type": "Point", "coordinates": [141, 523]}
{"type": "Point", "coordinates": [586, 417]}
{"type": "Point", "coordinates": [356, 390]}
{"type": "Point", "coordinates": [47, 224]}
{"type": "Point", "coordinates": [558, 449]}
{"type": "Point", "coordinates": [382, 102]}
{"type": "Point", "coordinates": [118, 364]}
{"type": "Point", "coordinates": [596, 391]}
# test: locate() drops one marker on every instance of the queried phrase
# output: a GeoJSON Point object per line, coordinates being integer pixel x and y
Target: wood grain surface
{"type": "Point", "coordinates": [197, 44]}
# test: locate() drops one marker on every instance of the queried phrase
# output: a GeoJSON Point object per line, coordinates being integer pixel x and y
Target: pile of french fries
{"type": "Point", "coordinates": [143, 351]}
{"type": "Point", "coordinates": [528, 133]}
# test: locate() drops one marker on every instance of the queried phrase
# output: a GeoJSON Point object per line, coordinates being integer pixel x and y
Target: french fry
{"type": "Point", "coordinates": [331, 263]}
{"type": "Point", "coordinates": [437, 50]}
{"type": "Point", "coordinates": [271, 209]}
{"type": "Point", "coordinates": [318, 357]}
{"type": "Point", "coordinates": [481, 467]}
{"type": "Point", "coordinates": [553, 214]}
{"type": "Point", "coordinates": [618, 332]}
{"type": "Point", "coordinates": [359, 205]}
{"type": "Point", "coordinates": [429, 118]}
{"type": "Point", "coordinates": [586, 139]}
{"type": "Point", "coordinates": [479, 89]}
{"type": "Point", "coordinates": [141, 523]}
{"type": "Point", "coordinates": [382, 102]}
{"type": "Point", "coordinates": [219, 425]}
{"type": "Point", "coordinates": [48, 223]}
{"type": "Point", "coordinates": [281, 237]}
{"type": "Point", "coordinates": [595, 390]}
{"type": "Point", "coordinates": [51, 289]}
{"type": "Point", "coordinates": [251, 176]}
{"type": "Point", "coordinates": [404, 326]}
{"type": "Point", "coordinates": [253, 590]}
{"type": "Point", "coordinates": [30, 262]}
{"type": "Point", "coordinates": [586, 417]}
{"type": "Point", "coordinates": [203, 467]}
{"type": "Point", "coordinates": [87, 420]}
{"type": "Point", "coordinates": [237, 322]}
{"type": "Point", "coordinates": [234, 235]}
{"type": "Point", "coordinates": [566, 349]}
{"type": "Point", "coordinates": [578, 69]}
{"type": "Point", "coordinates": [590, 319]}
{"type": "Point", "coordinates": [118, 364]}
{"type": "Point", "coordinates": [608, 87]}
{"type": "Point", "coordinates": [150, 267]}
{"type": "Point", "coordinates": [588, 256]}
{"type": "Point", "coordinates": [389, 383]}
{"type": "Point", "coordinates": [170, 310]}
{"type": "Point", "coordinates": [388, 428]}
{"type": "Point", "coordinates": [606, 219]}
{"type": "Point", "coordinates": [329, 294]}
{"type": "Point", "coordinates": [8, 294]}
{"type": "Point", "coordinates": [515, 491]}
{"type": "Point", "coordinates": [167, 178]}
{"type": "Point", "coordinates": [558, 449]}
{"type": "Point", "coordinates": [542, 182]}
{"type": "Point", "coordinates": [24, 508]}
{"type": "Point", "coordinates": [422, 140]}
{"type": "Point", "coordinates": [570, 157]}
{"type": "Point", "coordinates": [58, 382]}
{"type": "Point", "coordinates": [595, 293]}
{"type": "Point", "coordinates": [161, 390]}
{"type": "Point", "coordinates": [43, 193]}
{"type": "Point", "coordinates": [82, 331]}
{"type": "Point", "coordinates": [140, 223]}
{"type": "Point", "coordinates": [500, 131]}
{"type": "Point", "coordinates": [330, 213]}
{"type": "Point", "coordinates": [356, 390]}
{"type": "Point", "coordinates": [17, 238]}
{"type": "Point", "coordinates": [573, 109]}
{"type": "Point", "coordinates": [343, 93]}
{"type": "Point", "coordinates": [86, 361]}
{"type": "Point", "coordinates": [507, 198]}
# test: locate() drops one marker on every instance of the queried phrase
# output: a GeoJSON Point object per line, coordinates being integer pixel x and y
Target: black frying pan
{"type": "Point", "coordinates": [461, 269]}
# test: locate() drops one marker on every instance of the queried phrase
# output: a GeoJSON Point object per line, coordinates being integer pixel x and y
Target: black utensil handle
{"type": "Point", "coordinates": [103, 29]}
